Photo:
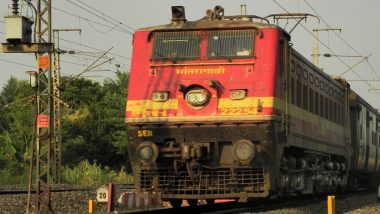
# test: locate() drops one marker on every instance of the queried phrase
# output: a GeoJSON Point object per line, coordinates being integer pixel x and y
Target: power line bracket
{"type": "Point", "coordinates": [27, 48]}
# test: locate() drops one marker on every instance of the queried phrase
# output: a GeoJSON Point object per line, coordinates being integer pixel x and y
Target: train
{"type": "Point", "coordinates": [225, 108]}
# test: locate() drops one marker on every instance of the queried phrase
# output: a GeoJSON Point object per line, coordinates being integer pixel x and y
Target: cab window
{"type": "Point", "coordinates": [176, 45]}
{"type": "Point", "coordinates": [230, 44]}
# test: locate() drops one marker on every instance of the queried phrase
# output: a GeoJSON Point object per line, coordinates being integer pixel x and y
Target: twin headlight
{"type": "Point", "coordinates": [160, 96]}
{"type": "Point", "coordinates": [197, 97]}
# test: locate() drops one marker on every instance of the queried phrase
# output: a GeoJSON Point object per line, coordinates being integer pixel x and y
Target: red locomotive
{"type": "Point", "coordinates": [224, 107]}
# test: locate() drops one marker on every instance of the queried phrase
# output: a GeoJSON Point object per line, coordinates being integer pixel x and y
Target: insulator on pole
{"type": "Point", "coordinates": [15, 7]}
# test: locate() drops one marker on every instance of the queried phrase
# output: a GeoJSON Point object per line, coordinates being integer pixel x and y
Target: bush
{"type": "Point", "coordinates": [90, 174]}
{"type": "Point", "coordinates": [9, 178]}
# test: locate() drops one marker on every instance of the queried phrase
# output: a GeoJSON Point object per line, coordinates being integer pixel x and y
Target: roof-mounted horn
{"type": "Point", "coordinates": [178, 14]}
{"type": "Point", "coordinates": [216, 14]}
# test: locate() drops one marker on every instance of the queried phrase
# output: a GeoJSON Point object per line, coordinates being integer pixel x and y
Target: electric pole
{"type": "Point", "coordinates": [57, 147]}
{"type": "Point", "coordinates": [44, 134]}
{"type": "Point", "coordinates": [315, 49]}
{"type": "Point", "coordinates": [18, 36]}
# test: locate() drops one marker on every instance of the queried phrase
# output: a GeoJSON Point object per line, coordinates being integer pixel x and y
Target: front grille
{"type": "Point", "coordinates": [208, 181]}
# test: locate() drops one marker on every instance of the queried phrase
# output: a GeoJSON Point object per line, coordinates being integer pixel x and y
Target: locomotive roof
{"type": "Point", "coordinates": [204, 24]}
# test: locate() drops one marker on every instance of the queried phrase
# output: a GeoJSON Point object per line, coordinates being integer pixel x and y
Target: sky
{"type": "Point", "coordinates": [110, 24]}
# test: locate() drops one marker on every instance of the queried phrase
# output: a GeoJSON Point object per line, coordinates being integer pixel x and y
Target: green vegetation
{"type": "Point", "coordinates": [94, 137]}
{"type": "Point", "coordinates": [89, 174]}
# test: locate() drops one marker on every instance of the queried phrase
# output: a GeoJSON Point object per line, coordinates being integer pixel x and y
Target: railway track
{"type": "Point", "coordinates": [74, 199]}
{"type": "Point", "coordinates": [297, 205]}
{"type": "Point", "coordinates": [18, 190]}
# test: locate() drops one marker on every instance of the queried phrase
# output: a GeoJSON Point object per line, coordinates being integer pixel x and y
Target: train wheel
{"type": "Point", "coordinates": [210, 201]}
{"type": "Point", "coordinates": [176, 203]}
{"type": "Point", "coordinates": [192, 202]}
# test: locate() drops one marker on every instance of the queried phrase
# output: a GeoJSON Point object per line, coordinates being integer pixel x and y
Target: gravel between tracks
{"type": "Point", "coordinates": [351, 205]}
{"type": "Point", "coordinates": [77, 202]}
{"type": "Point", "coordinates": [62, 202]}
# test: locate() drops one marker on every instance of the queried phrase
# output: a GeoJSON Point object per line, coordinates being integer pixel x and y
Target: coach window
{"type": "Point", "coordinates": [305, 74]}
{"type": "Point", "coordinates": [335, 113]}
{"type": "Point", "coordinates": [374, 138]}
{"type": "Point", "coordinates": [230, 44]}
{"type": "Point", "coordinates": [292, 87]}
{"type": "Point", "coordinates": [316, 103]}
{"type": "Point", "coordinates": [176, 45]}
{"type": "Point", "coordinates": [299, 70]}
{"type": "Point", "coordinates": [311, 100]}
{"type": "Point", "coordinates": [305, 98]}
{"type": "Point", "coordinates": [340, 113]}
{"type": "Point", "coordinates": [367, 119]}
{"type": "Point", "coordinates": [322, 105]}
{"type": "Point", "coordinates": [293, 67]}
{"type": "Point", "coordinates": [322, 85]}
{"type": "Point", "coordinates": [327, 110]}
{"type": "Point", "coordinates": [299, 94]}
{"type": "Point", "coordinates": [311, 79]}
{"type": "Point", "coordinates": [316, 82]}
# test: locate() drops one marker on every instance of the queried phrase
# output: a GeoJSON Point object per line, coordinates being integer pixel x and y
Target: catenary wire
{"type": "Point", "coordinates": [344, 41]}
{"type": "Point", "coordinates": [88, 54]}
{"type": "Point", "coordinates": [17, 63]}
{"type": "Point", "coordinates": [119, 22]}
{"type": "Point", "coordinates": [85, 9]}
{"type": "Point", "coordinates": [91, 21]}
{"type": "Point", "coordinates": [339, 58]}
{"type": "Point", "coordinates": [87, 46]}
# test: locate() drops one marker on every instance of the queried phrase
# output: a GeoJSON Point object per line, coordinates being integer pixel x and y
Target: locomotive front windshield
{"type": "Point", "coordinates": [230, 44]}
{"type": "Point", "coordinates": [176, 45]}
{"type": "Point", "coordinates": [185, 45]}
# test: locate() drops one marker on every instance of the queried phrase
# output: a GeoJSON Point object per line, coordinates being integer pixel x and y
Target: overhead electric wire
{"type": "Point", "coordinates": [356, 51]}
{"type": "Point", "coordinates": [17, 63]}
{"type": "Point", "coordinates": [87, 46]}
{"type": "Point", "coordinates": [98, 16]}
{"type": "Point", "coordinates": [69, 41]}
{"type": "Point", "coordinates": [119, 22]}
{"type": "Point", "coordinates": [89, 20]}
{"type": "Point", "coordinates": [339, 58]}
{"type": "Point", "coordinates": [87, 55]}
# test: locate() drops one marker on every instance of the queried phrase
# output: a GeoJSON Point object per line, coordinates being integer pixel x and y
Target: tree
{"type": "Point", "coordinates": [96, 127]}
{"type": "Point", "coordinates": [9, 91]}
{"type": "Point", "coordinates": [16, 125]}
{"type": "Point", "coordinates": [93, 126]}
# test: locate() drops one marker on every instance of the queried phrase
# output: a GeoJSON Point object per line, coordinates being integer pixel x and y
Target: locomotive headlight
{"type": "Point", "coordinates": [243, 150]}
{"type": "Point", "coordinates": [238, 94]}
{"type": "Point", "coordinates": [196, 97]}
{"type": "Point", "coordinates": [147, 152]}
{"type": "Point", "coordinates": [160, 96]}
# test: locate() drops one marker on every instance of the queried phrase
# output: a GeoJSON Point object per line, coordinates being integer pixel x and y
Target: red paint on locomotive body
{"type": "Point", "coordinates": [255, 74]}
